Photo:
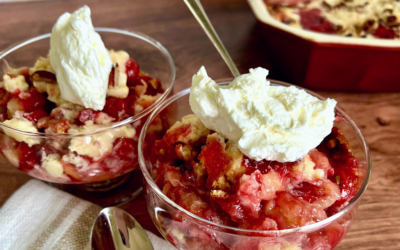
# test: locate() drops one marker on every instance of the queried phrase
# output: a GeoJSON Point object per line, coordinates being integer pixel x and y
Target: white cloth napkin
{"type": "Point", "coordinates": [38, 216]}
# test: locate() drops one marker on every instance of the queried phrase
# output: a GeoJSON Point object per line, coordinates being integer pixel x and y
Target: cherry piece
{"type": "Point", "coordinates": [130, 102]}
{"type": "Point", "coordinates": [35, 115]}
{"type": "Point", "coordinates": [124, 151]}
{"type": "Point", "coordinates": [86, 115]}
{"type": "Point", "coordinates": [231, 205]}
{"type": "Point", "coordinates": [116, 108]}
{"type": "Point", "coordinates": [32, 100]}
{"type": "Point", "coordinates": [308, 192]}
{"type": "Point", "coordinates": [28, 156]}
{"type": "Point", "coordinates": [154, 87]}
{"type": "Point", "coordinates": [383, 32]}
{"type": "Point", "coordinates": [214, 159]}
{"type": "Point", "coordinates": [345, 168]}
{"type": "Point", "coordinates": [282, 168]}
{"type": "Point", "coordinates": [313, 20]}
{"type": "Point", "coordinates": [132, 71]}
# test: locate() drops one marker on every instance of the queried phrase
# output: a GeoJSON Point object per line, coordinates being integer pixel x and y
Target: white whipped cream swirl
{"type": "Point", "coordinates": [268, 122]}
{"type": "Point", "coordinates": [80, 60]}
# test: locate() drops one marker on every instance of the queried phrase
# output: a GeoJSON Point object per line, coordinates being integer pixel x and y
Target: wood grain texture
{"type": "Point", "coordinates": [377, 223]}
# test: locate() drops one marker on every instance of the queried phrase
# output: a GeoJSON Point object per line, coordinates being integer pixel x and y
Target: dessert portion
{"type": "Point", "coordinates": [256, 157]}
{"type": "Point", "coordinates": [80, 90]}
{"type": "Point", "coordinates": [357, 18]}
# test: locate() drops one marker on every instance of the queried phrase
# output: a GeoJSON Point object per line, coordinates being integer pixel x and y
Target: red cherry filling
{"type": "Point", "coordinates": [328, 237]}
{"type": "Point", "coordinates": [262, 223]}
{"type": "Point", "coordinates": [249, 193]}
{"type": "Point", "coordinates": [32, 100]}
{"type": "Point", "coordinates": [86, 115]}
{"type": "Point", "coordinates": [383, 32]}
{"type": "Point", "coordinates": [347, 178]}
{"type": "Point", "coordinates": [214, 159]}
{"type": "Point", "coordinates": [35, 115]}
{"type": "Point", "coordinates": [123, 154]}
{"type": "Point", "coordinates": [231, 205]}
{"type": "Point", "coordinates": [49, 118]}
{"type": "Point", "coordinates": [289, 211]}
{"type": "Point", "coordinates": [28, 156]}
{"type": "Point", "coordinates": [131, 102]}
{"type": "Point", "coordinates": [264, 166]}
{"type": "Point", "coordinates": [308, 192]}
{"type": "Point", "coordinates": [345, 167]}
{"type": "Point", "coordinates": [260, 195]}
{"type": "Point", "coordinates": [117, 108]}
{"type": "Point", "coordinates": [120, 160]}
{"type": "Point", "coordinates": [132, 72]}
{"type": "Point", "coordinates": [153, 87]}
{"type": "Point", "coordinates": [165, 148]}
{"type": "Point", "coordinates": [312, 19]}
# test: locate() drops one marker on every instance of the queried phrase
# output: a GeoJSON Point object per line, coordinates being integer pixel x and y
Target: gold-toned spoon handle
{"type": "Point", "coordinates": [198, 12]}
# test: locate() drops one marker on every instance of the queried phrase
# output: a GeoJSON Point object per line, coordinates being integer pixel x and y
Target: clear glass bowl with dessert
{"type": "Point", "coordinates": [73, 102]}
{"type": "Point", "coordinates": [252, 164]}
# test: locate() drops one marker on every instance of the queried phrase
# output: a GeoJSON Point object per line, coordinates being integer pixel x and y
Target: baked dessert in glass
{"type": "Point", "coordinates": [203, 193]}
{"type": "Point", "coordinates": [59, 141]}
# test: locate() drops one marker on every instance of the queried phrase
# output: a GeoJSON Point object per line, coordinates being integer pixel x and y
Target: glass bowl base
{"type": "Point", "coordinates": [113, 192]}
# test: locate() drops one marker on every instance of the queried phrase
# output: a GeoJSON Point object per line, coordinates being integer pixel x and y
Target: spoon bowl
{"type": "Point", "coordinates": [115, 229]}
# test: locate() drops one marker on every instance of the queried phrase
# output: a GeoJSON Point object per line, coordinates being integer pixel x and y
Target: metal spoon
{"type": "Point", "coordinates": [198, 12]}
{"type": "Point", "coordinates": [115, 229]}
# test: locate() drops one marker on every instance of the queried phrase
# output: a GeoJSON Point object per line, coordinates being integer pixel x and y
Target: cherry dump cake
{"type": "Point", "coordinates": [205, 165]}
{"type": "Point", "coordinates": [208, 176]}
{"type": "Point", "coordinates": [354, 18]}
{"type": "Point", "coordinates": [31, 101]}
{"type": "Point", "coordinates": [69, 107]}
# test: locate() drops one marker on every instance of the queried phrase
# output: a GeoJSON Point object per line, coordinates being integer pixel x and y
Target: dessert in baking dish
{"type": "Point", "coordinates": [356, 18]}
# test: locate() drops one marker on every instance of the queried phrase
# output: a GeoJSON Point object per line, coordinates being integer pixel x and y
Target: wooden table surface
{"type": "Point", "coordinates": [377, 224]}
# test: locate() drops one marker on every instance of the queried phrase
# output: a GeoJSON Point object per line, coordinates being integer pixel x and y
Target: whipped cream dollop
{"type": "Point", "coordinates": [80, 60]}
{"type": "Point", "coordinates": [268, 122]}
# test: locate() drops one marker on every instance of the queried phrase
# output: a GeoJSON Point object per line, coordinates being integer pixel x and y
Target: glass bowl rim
{"type": "Point", "coordinates": [228, 229]}
{"type": "Point", "coordinates": [131, 119]}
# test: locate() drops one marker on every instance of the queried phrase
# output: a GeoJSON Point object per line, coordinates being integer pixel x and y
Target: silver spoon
{"type": "Point", "coordinates": [198, 12]}
{"type": "Point", "coordinates": [115, 229]}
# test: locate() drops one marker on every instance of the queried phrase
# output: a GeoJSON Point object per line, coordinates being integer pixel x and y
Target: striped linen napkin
{"type": "Point", "coordinates": [38, 216]}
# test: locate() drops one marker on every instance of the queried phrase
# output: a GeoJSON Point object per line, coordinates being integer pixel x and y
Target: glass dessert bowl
{"type": "Point", "coordinates": [212, 225]}
{"type": "Point", "coordinates": [62, 142]}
